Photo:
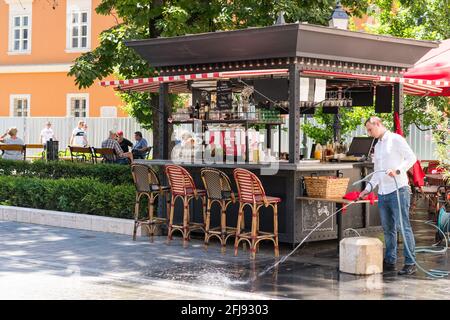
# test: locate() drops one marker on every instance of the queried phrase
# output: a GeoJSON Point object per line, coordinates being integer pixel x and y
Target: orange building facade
{"type": "Point", "coordinates": [38, 44]}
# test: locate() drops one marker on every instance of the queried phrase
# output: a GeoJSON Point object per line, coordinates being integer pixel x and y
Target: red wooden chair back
{"type": "Point", "coordinates": [181, 182]}
{"type": "Point", "coordinates": [250, 189]}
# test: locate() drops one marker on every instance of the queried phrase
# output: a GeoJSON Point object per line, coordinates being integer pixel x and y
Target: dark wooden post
{"type": "Point", "coordinates": [161, 136]}
{"type": "Point", "coordinates": [337, 127]}
{"type": "Point", "coordinates": [398, 101]}
{"type": "Point", "coordinates": [294, 113]}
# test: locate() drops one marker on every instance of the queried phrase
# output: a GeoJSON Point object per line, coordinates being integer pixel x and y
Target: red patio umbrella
{"type": "Point", "coordinates": [435, 65]}
{"type": "Point", "coordinates": [417, 171]}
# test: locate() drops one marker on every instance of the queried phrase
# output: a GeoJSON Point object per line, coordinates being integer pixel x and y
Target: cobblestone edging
{"type": "Point", "coordinates": [69, 220]}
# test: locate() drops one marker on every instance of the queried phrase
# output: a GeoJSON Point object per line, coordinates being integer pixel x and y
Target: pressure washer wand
{"type": "Point", "coordinates": [284, 258]}
{"type": "Point", "coordinates": [366, 178]}
{"type": "Point", "coordinates": [432, 273]}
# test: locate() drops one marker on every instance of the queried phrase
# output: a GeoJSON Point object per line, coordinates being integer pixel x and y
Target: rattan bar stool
{"type": "Point", "coordinates": [251, 193]}
{"type": "Point", "coordinates": [183, 187]}
{"type": "Point", "coordinates": [148, 185]}
{"type": "Point", "coordinates": [218, 190]}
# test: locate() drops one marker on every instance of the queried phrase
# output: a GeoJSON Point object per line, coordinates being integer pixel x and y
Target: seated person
{"type": "Point", "coordinates": [119, 157]}
{"type": "Point", "coordinates": [123, 142]}
{"type": "Point", "coordinates": [13, 139]}
{"type": "Point", "coordinates": [141, 147]}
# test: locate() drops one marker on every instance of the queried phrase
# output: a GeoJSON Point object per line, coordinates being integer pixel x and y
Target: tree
{"type": "Point", "coordinates": [349, 119]}
{"type": "Point", "coordinates": [426, 20]}
{"type": "Point", "coordinates": [141, 20]}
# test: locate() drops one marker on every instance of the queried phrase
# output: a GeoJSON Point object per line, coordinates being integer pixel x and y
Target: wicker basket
{"type": "Point", "coordinates": [326, 186]}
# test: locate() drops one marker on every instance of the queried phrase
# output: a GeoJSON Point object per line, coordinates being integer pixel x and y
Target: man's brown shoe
{"type": "Point", "coordinates": [408, 270]}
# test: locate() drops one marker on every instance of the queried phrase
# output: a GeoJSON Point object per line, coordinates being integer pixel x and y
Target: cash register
{"type": "Point", "coordinates": [360, 149]}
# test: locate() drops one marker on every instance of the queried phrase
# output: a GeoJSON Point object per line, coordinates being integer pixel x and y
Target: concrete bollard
{"type": "Point", "coordinates": [361, 255]}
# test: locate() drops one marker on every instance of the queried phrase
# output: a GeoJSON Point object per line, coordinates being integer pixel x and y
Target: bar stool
{"type": "Point", "coordinates": [218, 190]}
{"type": "Point", "coordinates": [148, 185]}
{"type": "Point", "coordinates": [251, 193]}
{"type": "Point", "coordinates": [182, 186]}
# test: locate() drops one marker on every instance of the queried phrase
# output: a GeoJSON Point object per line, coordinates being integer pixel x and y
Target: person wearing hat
{"type": "Point", "coordinates": [47, 133]}
{"type": "Point", "coordinates": [119, 156]}
{"type": "Point", "coordinates": [123, 142]}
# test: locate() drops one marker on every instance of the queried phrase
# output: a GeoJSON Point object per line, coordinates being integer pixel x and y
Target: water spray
{"type": "Point", "coordinates": [433, 273]}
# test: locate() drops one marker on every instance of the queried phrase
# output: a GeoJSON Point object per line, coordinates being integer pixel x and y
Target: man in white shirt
{"type": "Point", "coordinates": [47, 133]}
{"type": "Point", "coordinates": [78, 137]}
{"type": "Point", "coordinates": [394, 156]}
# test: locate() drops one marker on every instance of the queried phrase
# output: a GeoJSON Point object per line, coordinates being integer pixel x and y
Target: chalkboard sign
{"type": "Point", "coordinates": [202, 96]}
{"type": "Point", "coordinates": [224, 96]}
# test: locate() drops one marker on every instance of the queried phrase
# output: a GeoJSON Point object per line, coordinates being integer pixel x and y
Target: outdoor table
{"type": "Point", "coordinates": [340, 202]}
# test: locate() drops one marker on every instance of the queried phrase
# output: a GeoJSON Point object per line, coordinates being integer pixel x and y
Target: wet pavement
{"type": "Point", "coordinates": [41, 262]}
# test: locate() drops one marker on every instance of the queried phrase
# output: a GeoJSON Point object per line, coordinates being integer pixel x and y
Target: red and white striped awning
{"type": "Point", "coordinates": [410, 86]}
{"type": "Point", "coordinates": [178, 84]}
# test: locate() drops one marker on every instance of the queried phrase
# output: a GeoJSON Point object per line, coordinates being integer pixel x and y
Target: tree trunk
{"type": "Point", "coordinates": [154, 98]}
{"type": "Point", "coordinates": [153, 30]}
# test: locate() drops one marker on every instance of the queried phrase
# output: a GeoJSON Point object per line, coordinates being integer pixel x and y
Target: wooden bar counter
{"type": "Point", "coordinates": [297, 215]}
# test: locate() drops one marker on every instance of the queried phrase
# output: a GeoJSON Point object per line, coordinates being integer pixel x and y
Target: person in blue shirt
{"type": "Point", "coordinates": [141, 146]}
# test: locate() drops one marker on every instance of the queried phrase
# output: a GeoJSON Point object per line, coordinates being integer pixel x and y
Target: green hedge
{"type": "Point", "coordinates": [82, 195]}
{"type": "Point", "coordinates": [109, 173]}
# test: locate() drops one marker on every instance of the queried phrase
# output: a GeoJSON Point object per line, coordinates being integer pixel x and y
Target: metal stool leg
{"type": "Point", "coordinates": [207, 222]}
{"type": "Point", "coordinates": [275, 229]}
{"type": "Point", "coordinates": [223, 223]}
{"type": "Point", "coordinates": [172, 209]}
{"type": "Point", "coordinates": [203, 198]}
{"type": "Point", "coordinates": [185, 219]}
{"type": "Point", "coordinates": [238, 229]}
{"type": "Point", "coordinates": [136, 216]}
{"type": "Point", "coordinates": [151, 208]}
{"type": "Point", "coordinates": [253, 232]}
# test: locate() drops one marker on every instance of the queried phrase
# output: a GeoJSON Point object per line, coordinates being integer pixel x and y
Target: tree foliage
{"type": "Point", "coordinates": [424, 20]}
{"type": "Point", "coordinates": [140, 20]}
{"type": "Point", "coordinates": [349, 120]}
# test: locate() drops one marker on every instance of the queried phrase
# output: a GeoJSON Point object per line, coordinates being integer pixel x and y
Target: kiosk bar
{"type": "Point", "coordinates": [246, 80]}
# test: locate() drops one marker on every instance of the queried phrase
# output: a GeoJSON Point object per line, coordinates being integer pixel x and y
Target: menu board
{"type": "Point", "coordinates": [224, 95]}
{"type": "Point", "coordinates": [202, 96]}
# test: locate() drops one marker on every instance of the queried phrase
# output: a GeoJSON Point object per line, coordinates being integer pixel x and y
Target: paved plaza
{"type": "Point", "coordinates": [41, 262]}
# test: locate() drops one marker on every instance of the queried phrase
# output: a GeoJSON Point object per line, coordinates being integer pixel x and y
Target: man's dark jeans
{"type": "Point", "coordinates": [138, 155]}
{"type": "Point", "coordinates": [390, 213]}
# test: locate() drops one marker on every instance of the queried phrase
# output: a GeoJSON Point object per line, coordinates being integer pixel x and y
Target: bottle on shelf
{"type": "Point", "coordinates": [206, 110]}
{"type": "Point", "coordinates": [318, 152]}
{"type": "Point", "coordinates": [261, 155]}
{"type": "Point", "coordinates": [251, 110]}
{"type": "Point", "coordinates": [330, 149]}
{"type": "Point", "coordinates": [218, 153]}
{"type": "Point", "coordinates": [197, 110]}
{"type": "Point", "coordinates": [208, 157]}
{"type": "Point", "coordinates": [268, 156]}
{"type": "Point", "coordinates": [201, 112]}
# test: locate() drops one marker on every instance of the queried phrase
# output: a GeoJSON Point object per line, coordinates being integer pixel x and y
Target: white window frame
{"type": "Point", "coordinates": [80, 96]}
{"type": "Point", "coordinates": [19, 96]}
{"type": "Point", "coordinates": [109, 107]}
{"type": "Point", "coordinates": [78, 6]}
{"type": "Point", "coordinates": [20, 8]}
